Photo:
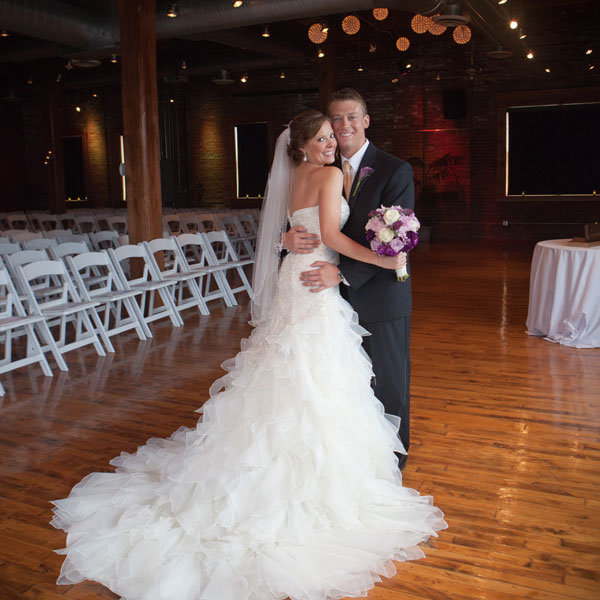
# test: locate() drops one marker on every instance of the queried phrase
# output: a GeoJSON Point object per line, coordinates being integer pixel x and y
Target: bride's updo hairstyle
{"type": "Point", "coordinates": [302, 128]}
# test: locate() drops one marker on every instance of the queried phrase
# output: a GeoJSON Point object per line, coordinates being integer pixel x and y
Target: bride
{"type": "Point", "coordinates": [288, 486]}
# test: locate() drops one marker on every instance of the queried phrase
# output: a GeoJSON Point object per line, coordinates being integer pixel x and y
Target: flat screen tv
{"type": "Point", "coordinates": [553, 150]}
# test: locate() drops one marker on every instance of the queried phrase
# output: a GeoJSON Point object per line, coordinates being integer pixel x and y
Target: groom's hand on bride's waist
{"type": "Point", "coordinates": [323, 275]}
{"type": "Point", "coordinates": [297, 240]}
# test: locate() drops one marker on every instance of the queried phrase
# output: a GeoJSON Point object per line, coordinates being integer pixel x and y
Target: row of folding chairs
{"type": "Point", "coordinates": [18, 239]}
{"type": "Point", "coordinates": [75, 297]}
{"type": "Point", "coordinates": [78, 223]}
{"type": "Point", "coordinates": [241, 227]}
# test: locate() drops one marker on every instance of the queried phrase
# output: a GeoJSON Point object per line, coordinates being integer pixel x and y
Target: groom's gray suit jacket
{"type": "Point", "coordinates": [374, 293]}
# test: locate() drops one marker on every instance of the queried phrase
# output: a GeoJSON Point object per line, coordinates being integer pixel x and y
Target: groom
{"type": "Point", "coordinates": [373, 178]}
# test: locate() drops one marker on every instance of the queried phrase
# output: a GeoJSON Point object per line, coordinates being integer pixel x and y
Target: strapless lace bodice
{"type": "Point", "coordinates": [309, 217]}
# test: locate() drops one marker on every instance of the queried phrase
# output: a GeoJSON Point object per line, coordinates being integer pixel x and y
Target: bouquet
{"type": "Point", "coordinates": [391, 230]}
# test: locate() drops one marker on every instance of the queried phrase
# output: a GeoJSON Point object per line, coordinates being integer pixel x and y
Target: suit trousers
{"type": "Point", "coordinates": [389, 349]}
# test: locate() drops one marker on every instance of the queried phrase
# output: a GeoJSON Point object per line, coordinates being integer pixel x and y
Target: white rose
{"type": "Point", "coordinates": [385, 235]}
{"type": "Point", "coordinates": [391, 216]}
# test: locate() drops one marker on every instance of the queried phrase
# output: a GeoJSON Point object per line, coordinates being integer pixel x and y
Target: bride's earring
{"type": "Point", "coordinates": [305, 159]}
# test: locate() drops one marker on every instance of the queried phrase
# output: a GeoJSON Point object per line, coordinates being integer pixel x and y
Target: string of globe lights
{"type": "Point", "coordinates": [420, 24]}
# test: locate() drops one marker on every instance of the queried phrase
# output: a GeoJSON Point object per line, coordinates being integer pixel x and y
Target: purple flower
{"type": "Point", "coordinates": [362, 175]}
{"type": "Point", "coordinates": [370, 235]}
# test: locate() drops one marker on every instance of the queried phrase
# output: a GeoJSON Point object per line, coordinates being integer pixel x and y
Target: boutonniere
{"type": "Point", "coordinates": [362, 175]}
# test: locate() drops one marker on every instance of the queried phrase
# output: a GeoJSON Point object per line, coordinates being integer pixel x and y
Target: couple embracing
{"type": "Point", "coordinates": [289, 485]}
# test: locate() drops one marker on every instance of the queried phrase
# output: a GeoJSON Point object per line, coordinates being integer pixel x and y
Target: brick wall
{"type": "Point", "coordinates": [406, 119]}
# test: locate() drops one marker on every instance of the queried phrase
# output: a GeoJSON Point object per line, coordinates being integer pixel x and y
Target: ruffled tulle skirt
{"type": "Point", "coordinates": [287, 487]}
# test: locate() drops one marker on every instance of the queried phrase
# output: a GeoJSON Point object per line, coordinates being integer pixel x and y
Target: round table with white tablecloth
{"type": "Point", "coordinates": [564, 294]}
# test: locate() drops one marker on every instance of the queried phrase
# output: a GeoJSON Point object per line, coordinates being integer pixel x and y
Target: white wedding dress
{"type": "Point", "coordinates": [287, 487]}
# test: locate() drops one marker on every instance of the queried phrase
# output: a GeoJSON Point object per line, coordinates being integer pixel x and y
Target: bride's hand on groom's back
{"type": "Point", "coordinates": [297, 240]}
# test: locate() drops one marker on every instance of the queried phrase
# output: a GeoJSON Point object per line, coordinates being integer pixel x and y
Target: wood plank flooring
{"type": "Point", "coordinates": [505, 430]}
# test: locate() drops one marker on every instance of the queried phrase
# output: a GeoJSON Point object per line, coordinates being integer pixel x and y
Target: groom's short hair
{"type": "Point", "coordinates": [348, 94]}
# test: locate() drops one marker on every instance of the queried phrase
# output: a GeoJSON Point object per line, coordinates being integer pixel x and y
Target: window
{"type": "Point", "coordinates": [73, 169]}
{"type": "Point", "coordinates": [252, 159]}
{"type": "Point", "coordinates": [553, 150]}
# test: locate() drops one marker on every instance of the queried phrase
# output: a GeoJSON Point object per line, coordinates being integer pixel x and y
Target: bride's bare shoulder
{"type": "Point", "coordinates": [329, 174]}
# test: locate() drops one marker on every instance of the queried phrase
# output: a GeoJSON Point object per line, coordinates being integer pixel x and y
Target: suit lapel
{"type": "Point", "coordinates": [368, 160]}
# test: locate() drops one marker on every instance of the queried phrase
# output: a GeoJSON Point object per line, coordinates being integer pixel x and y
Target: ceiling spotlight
{"type": "Point", "coordinates": [381, 13]}
{"type": "Point", "coordinates": [350, 25]}
{"type": "Point", "coordinates": [78, 108]}
{"type": "Point", "coordinates": [360, 68]}
{"type": "Point", "coordinates": [320, 53]}
{"type": "Point", "coordinates": [238, 3]}
{"type": "Point", "coordinates": [114, 59]}
{"type": "Point", "coordinates": [502, 1]}
{"type": "Point", "coordinates": [522, 34]}
{"type": "Point", "coordinates": [402, 43]}
{"type": "Point", "coordinates": [172, 12]}
{"type": "Point", "coordinates": [172, 100]}
{"type": "Point", "coordinates": [589, 51]}
{"type": "Point", "coordinates": [408, 65]}
{"type": "Point", "coordinates": [437, 77]}
{"type": "Point", "coordinates": [372, 47]}
{"type": "Point", "coordinates": [183, 65]}
{"type": "Point", "coordinates": [530, 55]}
{"type": "Point", "coordinates": [324, 27]}
{"type": "Point", "coordinates": [282, 75]}
{"type": "Point", "coordinates": [45, 162]}
{"type": "Point", "coordinates": [30, 81]}
{"type": "Point", "coordinates": [513, 24]}
{"type": "Point", "coordinates": [244, 78]}
{"type": "Point", "coordinates": [265, 32]}
{"type": "Point", "coordinates": [547, 69]}
{"type": "Point", "coordinates": [395, 80]}
{"type": "Point", "coordinates": [4, 33]}
{"type": "Point", "coordinates": [94, 95]}
{"type": "Point", "coordinates": [591, 67]}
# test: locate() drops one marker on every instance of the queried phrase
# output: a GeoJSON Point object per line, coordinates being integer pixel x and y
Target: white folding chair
{"type": "Point", "coordinates": [39, 244]}
{"type": "Point", "coordinates": [123, 259]}
{"type": "Point", "coordinates": [85, 224]}
{"type": "Point", "coordinates": [240, 241]}
{"type": "Point", "coordinates": [45, 287]}
{"type": "Point", "coordinates": [220, 252]}
{"type": "Point", "coordinates": [67, 249]}
{"type": "Point", "coordinates": [189, 222]}
{"type": "Point", "coordinates": [118, 223]}
{"type": "Point", "coordinates": [114, 299]}
{"type": "Point", "coordinates": [48, 222]}
{"type": "Point", "coordinates": [209, 222]}
{"type": "Point", "coordinates": [102, 240]}
{"type": "Point", "coordinates": [174, 270]}
{"type": "Point", "coordinates": [17, 221]}
{"type": "Point", "coordinates": [25, 236]}
{"type": "Point", "coordinates": [13, 317]}
{"type": "Point", "coordinates": [172, 223]}
{"type": "Point", "coordinates": [9, 248]}
{"type": "Point", "coordinates": [196, 258]}
{"type": "Point", "coordinates": [66, 308]}
{"type": "Point", "coordinates": [65, 221]}
{"type": "Point", "coordinates": [35, 220]}
{"type": "Point", "coordinates": [83, 238]}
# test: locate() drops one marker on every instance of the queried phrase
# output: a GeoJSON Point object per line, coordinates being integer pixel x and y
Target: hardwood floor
{"type": "Point", "coordinates": [505, 429]}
